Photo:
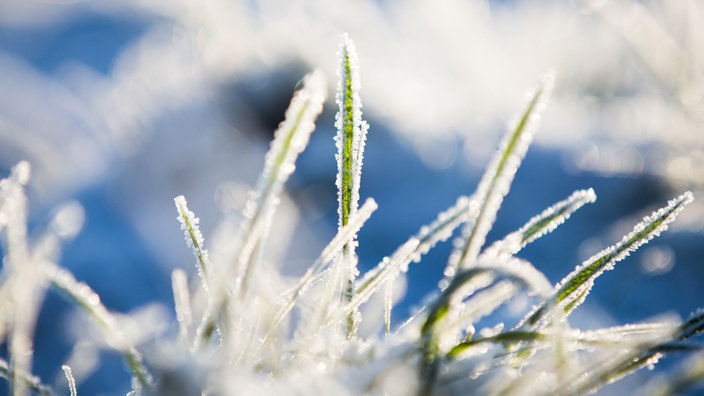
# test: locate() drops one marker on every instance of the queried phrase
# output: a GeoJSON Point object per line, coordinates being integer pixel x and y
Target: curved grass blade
{"type": "Point", "coordinates": [68, 373]}
{"type": "Point", "coordinates": [326, 256]}
{"type": "Point", "coordinates": [647, 354]}
{"type": "Point", "coordinates": [497, 178]}
{"type": "Point", "coordinates": [573, 289]}
{"type": "Point", "coordinates": [89, 301]}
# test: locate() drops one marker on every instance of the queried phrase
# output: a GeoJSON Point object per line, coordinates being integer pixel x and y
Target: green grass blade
{"type": "Point", "coordinates": [573, 289]}
{"type": "Point", "coordinates": [548, 220]}
{"type": "Point", "coordinates": [350, 140]}
{"type": "Point", "coordinates": [499, 175]}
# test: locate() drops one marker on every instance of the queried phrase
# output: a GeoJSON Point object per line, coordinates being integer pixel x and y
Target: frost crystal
{"type": "Point", "coordinates": [194, 239]}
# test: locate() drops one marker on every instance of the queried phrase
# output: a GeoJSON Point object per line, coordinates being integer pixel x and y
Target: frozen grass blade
{"type": "Point", "coordinates": [632, 334]}
{"type": "Point", "coordinates": [499, 175]}
{"type": "Point", "coordinates": [290, 139]}
{"type": "Point", "coordinates": [632, 360]}
{"type": "Point", "coordinates": [389, 268]}
{"type": "Point", "coordinates": [478, 306]}
{"type": "Point", "coordinates": [428, 236]}
{"type": "Point", "coordinates": [326, 256]}
{"type": "Point", "coordinates": [194, 240]}
{"type": "Point", "coordinates": [69, 378]}
{"type": "Point", "coordinates": [89, 301]}
{"type": "Point", "coordinates": [25, 289]}
{"type": "Point", "coordinates": [31, 382]}
{"type": "Point", "coordinates": [182, 304]}
{"type": "Point", "coordinates": [351, 131]}
{"type": "Point", "coordinates": [573, 289]}
{"type": "Point", "coordinates": [548, 220]}
{"type": "Point", "coordinates": [350, 139]}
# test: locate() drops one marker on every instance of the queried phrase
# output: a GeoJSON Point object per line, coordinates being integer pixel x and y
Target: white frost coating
{"type": "Point", "coordinates": [328, 254]}
{"type": "Point", "coordinates": [386, 271]}
{"type": "Point", "coordinates": [347, 57]}
{"type": "Point", "coordinates": [427, 237]}
{"type": "Point", "coordinates": [497, 178]}
{"type": "Point", "coordinates": [571, 291]}
{"type": "Point", "coordinates": [554, 216]}
{"type": "Point", "coordinates": [89, 301]}
{"type": "Point", "coordinates": [290, 138]}
{"type": "Point", "coordinates": [68, 373]}
{"type": "Point", "coordinates": [194, 240]}
{"type": "Point", "coordinates": [642, 233]}
{"type": "Point", "coordinates": [445, 224]}
{"type": "Point", "coordinates": [627, 335]}
{"type": "Point", "coordinates": [388, 304]}
{"type": "Point", "coordinates": [182, 304]}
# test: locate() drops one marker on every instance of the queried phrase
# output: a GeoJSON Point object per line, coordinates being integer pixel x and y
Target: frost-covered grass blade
{"type": "Point", "coordinates": [89, 301]}
{"type": "Point", "coordinates": [290, 139]}
{"type": "Point", "coordinates": [350, 139]}
{"type": "Point", "coordinates": [649, 353]}
{"type": "Point", "coordinates": [499, 175]}
{"type": "Point", "coordinates": [194, 240]}
{"type": "Point", "coordinates": [573, 289]}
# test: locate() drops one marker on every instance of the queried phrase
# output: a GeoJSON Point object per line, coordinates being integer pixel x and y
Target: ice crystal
{"type": "Point", "coordinates": [194, 239]}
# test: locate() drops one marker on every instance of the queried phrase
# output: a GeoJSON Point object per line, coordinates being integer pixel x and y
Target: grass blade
{"type": "Point", "coordinates": [290, 139]}
{"type": "Point", "coordinates": [182, 304]}
{"type": "Point", "coordinates": [633, 359]}
{"type": "Point", "coordinates": [89, 301]}
{"type": "Point", "coordinates": [31, 382]}
{"type": "Point", "coordinates": [350, 140]}
{"type": "Point", "coordinates": [498, 177]}
{"type": "Point", "coordinates": [194, 240]}
{"type": "Point", "coordinates": [68, 373]}
{"type": "Point", "coordinates": [573, 289]}
{"type": "Point", "coordinates": [546, 221]}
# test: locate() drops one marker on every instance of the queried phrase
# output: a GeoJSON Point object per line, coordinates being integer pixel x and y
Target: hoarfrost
{"type": "Point", "coordinates": [497, 178]}
{"type": "Point", "coordinates": [194, 240]}
{"type": "Point", "coordinates": [290, 138]}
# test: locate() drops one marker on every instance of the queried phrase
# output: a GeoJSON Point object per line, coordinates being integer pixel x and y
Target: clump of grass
{"type": "Point", "coordinates": [257, 332]}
